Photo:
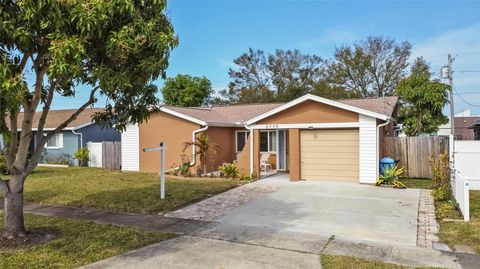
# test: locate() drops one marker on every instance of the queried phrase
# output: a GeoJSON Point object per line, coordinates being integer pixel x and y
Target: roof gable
{"type": "Point", "coordinates": [344, 104]}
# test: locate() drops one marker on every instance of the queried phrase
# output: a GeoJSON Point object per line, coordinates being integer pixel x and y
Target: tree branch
{"type": "Point", "coordinates": [24, 61]}
{"type": "Point", "coordinates": [46, 109]}
{"type": "Point", "coordinates": [12, 146]}
{"type": "Point", "coordinates": [41, 142]}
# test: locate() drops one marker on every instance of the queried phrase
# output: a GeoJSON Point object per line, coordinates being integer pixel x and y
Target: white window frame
{"type": "Point", "coordinates": [272, 151]}
{"type": "Point", "coordinates": [59, 138]}
{"type": "Point", "coordinates": [246, 133]}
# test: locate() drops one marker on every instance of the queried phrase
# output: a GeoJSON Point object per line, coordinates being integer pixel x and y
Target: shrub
{"type": "Point", "coordinates": [391, 177]}
{"type": "Point", "coordinates": [82, 156]}
{"type": "Point", "coordinates": [229, 170]}
{"type": "Point", "coordinates": [441, 170]}
{"type": "Point", "coordinates": [441, 194]}
{"type": "Point", "coordinates": [184, 169]}
{"type": "Point", "coordinates": [3, 165]}
{"type": "Point", "coordinates": [246, 179]}
{"type": "Point", "coordinates": [444, 210]}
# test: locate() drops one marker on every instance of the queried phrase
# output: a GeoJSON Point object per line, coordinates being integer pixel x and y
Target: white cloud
{"type": "Point", "coordinates": [464, 45]}
{"type": "Point", "coordinates": [225, 63]}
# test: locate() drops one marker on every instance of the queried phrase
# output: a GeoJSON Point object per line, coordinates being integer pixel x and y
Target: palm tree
{"type": "Point", "coordinates": [203, 148]}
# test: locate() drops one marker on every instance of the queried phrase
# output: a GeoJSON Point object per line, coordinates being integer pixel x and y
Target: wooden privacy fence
{"type": "Point", "coordinates": [415, 153]}
{"type": "Point", "coordinates": [111, 155]}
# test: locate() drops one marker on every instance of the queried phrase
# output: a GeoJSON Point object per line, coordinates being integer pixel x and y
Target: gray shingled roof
{"type": "Point", "coordinates": [238, 114]}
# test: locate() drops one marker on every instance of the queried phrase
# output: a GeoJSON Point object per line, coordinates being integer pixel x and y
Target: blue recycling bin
{"type": "Point", "coordinates": [386, 163]}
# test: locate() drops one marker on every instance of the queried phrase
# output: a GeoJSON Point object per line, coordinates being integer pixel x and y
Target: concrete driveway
{"type": "Point", "coordinates": [349, 211]}
{"type": "Point", "coordinates": [290, 225]}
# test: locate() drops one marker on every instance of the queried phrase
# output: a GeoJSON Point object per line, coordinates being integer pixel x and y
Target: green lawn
{"type": "Point", "coordinates": [417, 183]}
{"type": "Point", "coordinates": [116, 191]}
{"type": "Point", "coordinates": [461, 233]}
{"type": "Point", "coordinates": [79, 243]}
{"type": "Point", "coordinates": [344, 262]}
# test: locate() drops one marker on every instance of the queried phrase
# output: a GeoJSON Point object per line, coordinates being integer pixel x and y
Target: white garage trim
{"type": "Point", "coordinates": [320, 125]}
{"type": "Point", "coordinates": [131, 148]}
{"type": "Point", "coordinates": [368, 149]}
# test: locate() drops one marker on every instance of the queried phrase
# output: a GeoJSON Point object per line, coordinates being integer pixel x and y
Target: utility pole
{"type": "Point", "coordinates": [450, 82]}
{"type": "Point", "coordinates": [447, 73]}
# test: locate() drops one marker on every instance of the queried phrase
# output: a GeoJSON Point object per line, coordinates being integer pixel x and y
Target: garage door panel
{"type": "Point", "coordinates": [327, 143]}
{"type": "Point", "coordinates": [312, 156]}
{"type": "Point", "coordinates": [332, 161]}
{"type": "Point", "coordinates": [326, 166]}
{"type": "Point", "coordinates": [339, 137]}
{"type": "Point", "coordinates": [335, 149]}
{"type": "Point", "coordinates": [330, 155]}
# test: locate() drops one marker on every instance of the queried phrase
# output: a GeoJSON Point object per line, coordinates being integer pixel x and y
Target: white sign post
{"type": "Point", "coordinates": [162, 167]}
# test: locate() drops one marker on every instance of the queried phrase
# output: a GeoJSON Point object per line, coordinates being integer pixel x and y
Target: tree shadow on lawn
{"type": "Point", "coordinates": [145, 200]}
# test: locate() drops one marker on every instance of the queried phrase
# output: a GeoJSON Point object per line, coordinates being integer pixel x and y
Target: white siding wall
{"type": "Point", "coordinates": [368, 149]}
{"type": "Point", "coordinates": [467, 160]}
{"type": "Point", "coordinates": [131, 148]}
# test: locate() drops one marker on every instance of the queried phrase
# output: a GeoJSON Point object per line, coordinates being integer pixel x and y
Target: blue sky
{"type": "Point", "coordinates": [213, 33]}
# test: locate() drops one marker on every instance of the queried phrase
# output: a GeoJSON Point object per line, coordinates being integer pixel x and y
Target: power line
{"type": "Point", "coordinates": [469, 71]}
{"type": "Point", "coordinates": [461, 97]}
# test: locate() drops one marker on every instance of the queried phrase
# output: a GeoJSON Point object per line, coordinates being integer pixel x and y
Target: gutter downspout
{"type": "Point", "coordinates": [194, 133]}
{"type": "Point", "coordinates": [250, 130]}
{"type": "Point", "coordinates": [81, 137]}
{"type": "Point", "coordinates": [389, 120]}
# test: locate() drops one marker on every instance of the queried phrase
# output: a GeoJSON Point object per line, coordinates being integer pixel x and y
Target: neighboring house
{"type": "Point", "coordinates": [62, 146]}
{"type": "Point", "coordinates": [476, 130]}
{"type": "Point", "coordinates": [310, 137]}
{"type": "Point", "coordinates": [464, 122]}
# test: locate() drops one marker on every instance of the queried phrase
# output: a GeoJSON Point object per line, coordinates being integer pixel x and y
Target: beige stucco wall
{"type": "Point", "coordinates": [311, 112]}
{"type": "Point", "coordinates": [171, 130]}
{"type": "Point", "coordinates": [224, 138]}
{"type": "Point", "coordinates": [294, 154]}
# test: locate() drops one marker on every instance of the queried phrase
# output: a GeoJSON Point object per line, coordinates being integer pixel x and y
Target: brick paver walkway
{"type": "Point", "coordinates": [219, 205]}
{"type": "Point", "coordinates": [427, 230]}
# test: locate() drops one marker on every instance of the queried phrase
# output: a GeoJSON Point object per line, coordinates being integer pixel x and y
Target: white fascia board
{"type": "Point", "coordinates": [323, 125]}
{"type": "Point", "coordinates": [320, 100]}
{"type": "Point", "coordinates": [182, 116]}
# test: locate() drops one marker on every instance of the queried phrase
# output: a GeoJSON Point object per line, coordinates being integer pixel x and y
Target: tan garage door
{"type": "Point", "coordinates": [329, 155]}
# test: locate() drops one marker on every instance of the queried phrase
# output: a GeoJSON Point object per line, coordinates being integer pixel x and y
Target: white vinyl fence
{"type": "Point", "coordinates": [461, 192]}
{"type": "Point", "coordinates": [467, 161]}
{"type": "Point", "coordinates": [95, 154]}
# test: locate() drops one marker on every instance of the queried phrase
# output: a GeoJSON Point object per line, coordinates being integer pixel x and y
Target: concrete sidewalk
{"type": "Point", "coordinates": [147, 222]}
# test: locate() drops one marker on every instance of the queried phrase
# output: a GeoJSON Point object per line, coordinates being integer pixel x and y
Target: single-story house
{"type": "Point", "coordinates": [310, 137]}
{"type": "Point", "coordinates": [61, 147]}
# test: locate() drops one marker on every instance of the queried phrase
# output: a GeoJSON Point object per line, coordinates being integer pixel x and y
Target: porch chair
{"type": "Point", "coordinates": [264, 165]}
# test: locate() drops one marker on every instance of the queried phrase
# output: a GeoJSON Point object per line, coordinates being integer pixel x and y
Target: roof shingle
{"type": "Point", "coordinates": [238, 114]}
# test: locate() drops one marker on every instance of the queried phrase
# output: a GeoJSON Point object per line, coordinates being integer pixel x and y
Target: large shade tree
{"type": "Point", "coordinates": [370, 67]}
{"type": "Point", "coordinates": [185, 90]}
{"type": "Point", "coordinates": [422, 99]}
{"type": "Point", "coordinates": [114, 48]}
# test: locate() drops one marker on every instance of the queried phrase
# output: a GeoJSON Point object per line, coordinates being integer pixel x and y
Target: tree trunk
{"type": "Point", "coordinates": [13, 224]}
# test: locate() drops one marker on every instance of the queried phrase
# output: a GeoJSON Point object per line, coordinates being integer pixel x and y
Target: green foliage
{"type": "Point", "coordinates": [115, 47]}
{"type": "Point", "coordinates": [391, 177]}
{"type": "Point", "coordinates": [443, 210]}
{"type": "Point", "coordinates": [441, 177]}
{"type": "Point", "coordinates": [3, 165]}
{"type": "Point", "coordinates": [184, 169]}
{"type": "Point", "coordinates": [441, 194]}
{"type": "Point", "coordinates": [371, 67]}
{"type": "Point", "coordinates": [185, 90]}
{"type": "Point", "coordinates": [203, 147]}
{"type": "Point", "coordinates": [82, 155]}
{"type": "Point", "coordinates": [78, 243]}
{"type": "Point", "coordinates": [230, 170]}
{"type": "Point", "coordinates": [277, 77]}
{"type": "Point", "coordinates": [422, 100]}
{"type": "Point", "coordinates": [247, 179]}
